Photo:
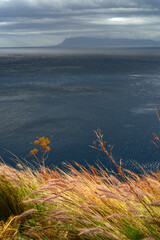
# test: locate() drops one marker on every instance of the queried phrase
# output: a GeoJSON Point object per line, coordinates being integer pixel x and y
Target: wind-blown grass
{"type": "Point", "coordinates": [78, 204]}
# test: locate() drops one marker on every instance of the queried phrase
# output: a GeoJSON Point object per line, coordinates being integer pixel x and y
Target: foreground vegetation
{"type": "Point", "coordinates": [78, 203]}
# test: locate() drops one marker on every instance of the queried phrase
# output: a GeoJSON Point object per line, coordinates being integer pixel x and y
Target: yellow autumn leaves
{"type": "Point", "coordinates": [41, 142]}
{"type": "Point", "coordinates": [33, 152]}
{"type": "Point", "coordinates": [42, 148]}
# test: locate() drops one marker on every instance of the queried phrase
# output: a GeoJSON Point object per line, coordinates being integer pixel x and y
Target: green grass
{"type": "Point", "coordinates": [78, 204]}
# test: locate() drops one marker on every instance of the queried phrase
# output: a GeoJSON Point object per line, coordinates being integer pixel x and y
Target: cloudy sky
{"type": "Point", "coordinates": [48, 22]}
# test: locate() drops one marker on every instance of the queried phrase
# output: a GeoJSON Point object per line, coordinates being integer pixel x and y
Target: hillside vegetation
{"type": "Point", "coordinates": [79, 203]}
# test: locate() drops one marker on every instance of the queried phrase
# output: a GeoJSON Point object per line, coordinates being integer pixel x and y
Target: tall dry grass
{"type": "Point", "coordinates": [80, 203]}
{"type": "Point", "coordinates": [100, 206]}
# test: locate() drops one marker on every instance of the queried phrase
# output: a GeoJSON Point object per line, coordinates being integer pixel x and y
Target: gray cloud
{"type": "Point", "coordinates": [48, 22]}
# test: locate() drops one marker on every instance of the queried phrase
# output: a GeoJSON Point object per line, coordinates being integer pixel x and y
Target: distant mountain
{"type": "Point", "coordinates": [79, 42]}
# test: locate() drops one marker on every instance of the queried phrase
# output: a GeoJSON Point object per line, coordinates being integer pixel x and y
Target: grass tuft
{"type": "Point", "coordinates": [78, 204]}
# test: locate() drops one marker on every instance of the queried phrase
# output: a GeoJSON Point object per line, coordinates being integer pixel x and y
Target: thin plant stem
{"type": "Point", "coordinates": [101, 147]}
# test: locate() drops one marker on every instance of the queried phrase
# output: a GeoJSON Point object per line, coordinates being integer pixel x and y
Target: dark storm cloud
{"type": "Point", "coordinates": [62, 18]}
{"type": "Point", "coordinates": [41, 8]}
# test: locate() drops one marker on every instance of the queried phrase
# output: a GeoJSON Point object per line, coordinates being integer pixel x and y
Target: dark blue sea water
{"type": "Point", "coordinates": [68, 94]}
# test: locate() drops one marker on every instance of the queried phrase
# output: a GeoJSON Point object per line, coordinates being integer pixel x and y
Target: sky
{"type": "Point", "coordinates": [49, 22]}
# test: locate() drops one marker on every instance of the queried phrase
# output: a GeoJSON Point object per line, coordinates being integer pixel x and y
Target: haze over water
{"type": "Point", "coordinates": [68, 94]}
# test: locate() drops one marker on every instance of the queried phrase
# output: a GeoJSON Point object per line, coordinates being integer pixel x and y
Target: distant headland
{"type": "Point", "coordinates": [92, 42]}
{"type": "Point", "coordinates": [79, 43]}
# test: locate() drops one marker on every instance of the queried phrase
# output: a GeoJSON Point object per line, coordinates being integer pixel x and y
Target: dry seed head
{"type": "Point", "coordinates": [156, 204]}
{"type": "Point", "coordinates": [116, 215]}
{"type": "Point", "coordinates": [26, 214]}
{"type": "Point", "coordinates": [149, 238]}
{"type": "Point", "coordinates": [90, 231]}
{"type": "Point", "coordinates": [95, 230]}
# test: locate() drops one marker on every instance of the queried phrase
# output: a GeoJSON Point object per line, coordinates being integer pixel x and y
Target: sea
{"type": "Point", "coordinates": [70, 93]}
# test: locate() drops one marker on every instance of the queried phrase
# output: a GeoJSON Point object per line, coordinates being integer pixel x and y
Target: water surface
{"type": "Point", "coordinates": [68, 94]}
